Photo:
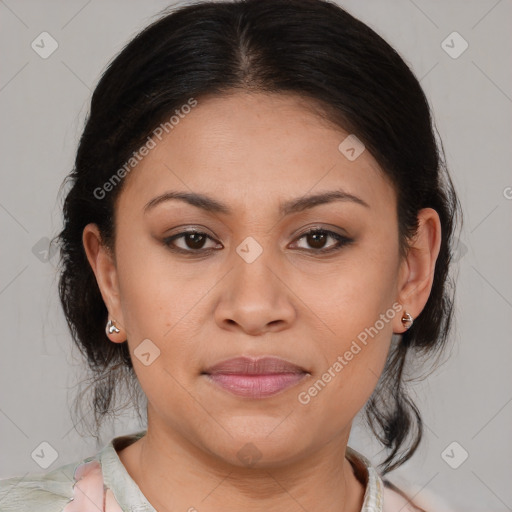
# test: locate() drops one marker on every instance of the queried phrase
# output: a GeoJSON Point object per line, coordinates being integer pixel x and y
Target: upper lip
{"type": "Point", "coordinates": [254, 366]}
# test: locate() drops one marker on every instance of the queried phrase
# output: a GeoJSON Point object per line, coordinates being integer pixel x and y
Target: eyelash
{"type": "Point", "coordinates": [342, 241]}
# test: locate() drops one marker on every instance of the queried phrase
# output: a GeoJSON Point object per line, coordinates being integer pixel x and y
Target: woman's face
{"type": "Point", "coordinates": [255, 284]}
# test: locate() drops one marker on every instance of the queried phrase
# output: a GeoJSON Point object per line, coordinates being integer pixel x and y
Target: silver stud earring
{"type": "Point", "coordinates": [111, 328]}
{"type": "Point", "coordinates": [407, 320]}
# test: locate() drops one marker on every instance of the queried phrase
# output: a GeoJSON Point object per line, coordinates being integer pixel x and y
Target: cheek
{"type": "Point", "coordinates": [343, 386]}
{"type": "Point", "coordinates": [352, 293]}
{"type": "Point", "coordinates": [355, 305]}
{"type": "Point", "coordinates": [154, 293]}
{"type": "Point", "coordinates": [160, 303]}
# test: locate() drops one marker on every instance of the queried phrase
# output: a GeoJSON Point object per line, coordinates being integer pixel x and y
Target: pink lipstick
{"type": "Point", "coordinates": [255, 378]}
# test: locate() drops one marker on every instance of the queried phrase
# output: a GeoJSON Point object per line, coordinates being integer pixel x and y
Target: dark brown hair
{"type": "Point", "coordinates": [310, 48]}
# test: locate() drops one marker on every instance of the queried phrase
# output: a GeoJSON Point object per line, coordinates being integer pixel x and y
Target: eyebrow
{"type": "Point", "coordinates": [288, 207]}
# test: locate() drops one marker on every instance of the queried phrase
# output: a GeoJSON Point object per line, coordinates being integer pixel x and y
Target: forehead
{"type": "Point", "coordinates": [249, 149]}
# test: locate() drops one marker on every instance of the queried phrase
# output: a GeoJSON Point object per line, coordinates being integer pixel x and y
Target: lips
{"type": "Point", "coordinates": [254, 366]}
{"type": "Point", "coordinates": [255, 378]}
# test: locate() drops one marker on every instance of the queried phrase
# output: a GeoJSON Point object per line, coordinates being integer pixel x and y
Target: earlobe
{"type": "Point", "coordinates": [102, 263]}
{"type": "Point", "coordinates": [417, 273]}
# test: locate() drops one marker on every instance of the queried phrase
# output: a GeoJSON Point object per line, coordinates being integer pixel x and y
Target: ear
{"type": "Point", "coordinates": [417, 270]}
{"type": "Point", "coordinates": [103, 265]}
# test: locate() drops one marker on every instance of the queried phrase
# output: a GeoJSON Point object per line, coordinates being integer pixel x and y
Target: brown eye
{"type": "Point", "coordinates": [191, 241]}
{"type": "Point", "coordinates": [194, 240]}
{"type": "Point", "coordinates": [316, 239]}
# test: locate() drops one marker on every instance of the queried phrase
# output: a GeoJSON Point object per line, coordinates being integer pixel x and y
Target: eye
{"type": "Point", "coordinates": [192, 241]}
{"type": "Point", "coordinates": [317, 238]}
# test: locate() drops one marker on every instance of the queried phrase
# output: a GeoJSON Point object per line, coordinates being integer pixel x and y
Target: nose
{"type": "Point", "coordinates": [255, 298]}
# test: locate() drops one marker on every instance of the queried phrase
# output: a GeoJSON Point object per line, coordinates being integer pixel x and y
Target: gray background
{"type": "Point", "coordinates": [43, 103]}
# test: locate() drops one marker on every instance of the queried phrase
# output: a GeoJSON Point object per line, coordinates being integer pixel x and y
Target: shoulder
{"type": "Point", "coordinates": [91, 484]}
{"type": "Point", "coordinates": [395, 500]}
{"type": "Point", "coordinates": [51, 491]}
{"type": "Point", "coordinates": [412, 499]}
{"type": "Point", "coordinates": [384, 496]}
{"type": "Point", "coordinates": [44, 492]}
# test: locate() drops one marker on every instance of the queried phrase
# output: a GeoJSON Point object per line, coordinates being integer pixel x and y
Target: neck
{"type": "Point", "coordinates": [174, 474]}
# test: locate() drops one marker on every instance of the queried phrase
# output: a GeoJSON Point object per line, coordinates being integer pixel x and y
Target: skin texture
{"type": "Point", "coordinates": [252, 152]}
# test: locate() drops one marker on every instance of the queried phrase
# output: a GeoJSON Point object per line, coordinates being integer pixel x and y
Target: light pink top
{"type": "Point", "coordinates": [102, 484]}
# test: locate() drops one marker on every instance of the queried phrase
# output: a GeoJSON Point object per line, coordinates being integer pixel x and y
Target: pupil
{"type": "Point", "coordinates": [197, 240]}
{"type": "Point", "coordinates": [318, 240]}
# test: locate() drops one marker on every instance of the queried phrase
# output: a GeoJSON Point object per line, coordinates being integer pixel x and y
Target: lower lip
{"type": "Point", "coordinates": [256, 386]}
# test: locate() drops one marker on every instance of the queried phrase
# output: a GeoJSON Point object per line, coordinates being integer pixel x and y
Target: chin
{"type": "Point", "coordinates": [266, 447]}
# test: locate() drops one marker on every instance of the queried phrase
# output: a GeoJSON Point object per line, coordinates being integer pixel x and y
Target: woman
{"type": "Point", "coordinates": [258, 232]}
